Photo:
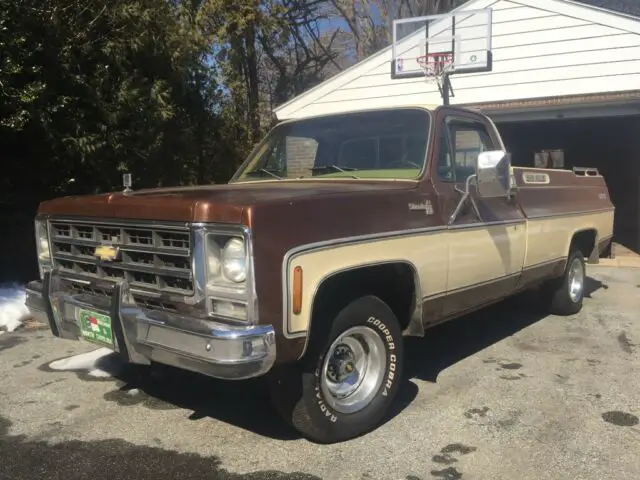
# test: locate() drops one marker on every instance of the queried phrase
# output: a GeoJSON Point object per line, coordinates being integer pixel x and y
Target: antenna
{"type": "Point", "coordinates": [126, 181]}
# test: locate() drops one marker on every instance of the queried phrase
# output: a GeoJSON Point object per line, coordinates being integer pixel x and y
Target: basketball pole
{"type": "Point", "coordinates": [446, 89]}
{"type": "Point", "coordinates": [446, 83]}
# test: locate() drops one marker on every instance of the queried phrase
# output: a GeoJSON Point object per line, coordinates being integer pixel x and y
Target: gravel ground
{"type": "Point", "coordinates": [502, 394]}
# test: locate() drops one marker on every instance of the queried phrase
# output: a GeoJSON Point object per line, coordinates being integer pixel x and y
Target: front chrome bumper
{"type": "Point", "coordinates": [142, 336]}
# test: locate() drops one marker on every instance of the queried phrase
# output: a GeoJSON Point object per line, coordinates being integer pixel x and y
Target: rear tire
{"type": "Point", "coordinates": [564, 295]}
{"type": "Point", "coordinates": [349, 376]}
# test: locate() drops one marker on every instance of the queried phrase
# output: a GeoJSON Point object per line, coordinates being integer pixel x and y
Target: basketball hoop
{"type": "Point", "coordinates": [455, 42]}
{"type": "Point", "coordinates": [435, 65]}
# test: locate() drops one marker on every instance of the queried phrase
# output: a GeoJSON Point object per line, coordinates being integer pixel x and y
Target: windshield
{"type": "Point", "coordinates": [378, 144]}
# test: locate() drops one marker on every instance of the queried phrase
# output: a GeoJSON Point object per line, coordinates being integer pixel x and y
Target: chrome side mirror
{"type": "Point", "coordinates": [493, 174]}
{"type": "Point", "coordinates": [493, 179]}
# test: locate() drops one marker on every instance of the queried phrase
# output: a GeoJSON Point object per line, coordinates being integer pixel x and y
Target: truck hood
{"type": "Point", "coordinates": [209, 203]}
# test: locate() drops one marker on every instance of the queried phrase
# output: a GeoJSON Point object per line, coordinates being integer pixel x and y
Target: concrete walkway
{"type": "Point", "coordinates": [630, 262]}
{"type": "Point", "coordinates": [623, 258]}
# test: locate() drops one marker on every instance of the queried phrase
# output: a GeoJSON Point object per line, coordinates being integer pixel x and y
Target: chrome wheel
{"type": "Point", "coordinates": [353, 369]}
{"type": "Point", "coordinates": [576, 280]}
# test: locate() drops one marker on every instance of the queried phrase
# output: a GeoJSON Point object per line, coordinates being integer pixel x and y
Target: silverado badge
{"type": "Point", "coordinates": [107, 253]}
{"type": "Point", "coordinates": [425, 205]}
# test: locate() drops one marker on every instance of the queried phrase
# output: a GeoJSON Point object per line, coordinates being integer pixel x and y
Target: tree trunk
{"type": "Point", "coordinates": [253, 84]}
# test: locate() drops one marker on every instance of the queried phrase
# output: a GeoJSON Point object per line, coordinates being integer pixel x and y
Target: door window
{"type": "Point", "coordinates": [461, 141]}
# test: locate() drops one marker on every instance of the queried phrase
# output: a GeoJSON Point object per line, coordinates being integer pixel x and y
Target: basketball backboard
{"type": "Point", "coordinates": [452, 43]}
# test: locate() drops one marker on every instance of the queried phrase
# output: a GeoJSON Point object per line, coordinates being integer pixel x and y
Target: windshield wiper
{"type": "Point", "coordinates": [324, 168]}
{"type": "Point", "coordinates": [264, 170]}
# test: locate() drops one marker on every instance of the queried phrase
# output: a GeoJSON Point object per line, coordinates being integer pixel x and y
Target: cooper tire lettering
{"type": "Point", "coordinates": [391, 374]}
{"type": "Point", "coordinates": [383, 328]}
{"type": "Point", "coordinates": [392, 358]}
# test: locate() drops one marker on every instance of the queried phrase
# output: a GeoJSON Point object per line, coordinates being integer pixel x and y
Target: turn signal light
{"type": "Point", "coordinates": [297, 290]}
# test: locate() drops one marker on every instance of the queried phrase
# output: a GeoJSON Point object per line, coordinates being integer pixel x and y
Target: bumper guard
{"type": "Point", "coordinates": [142, 336]}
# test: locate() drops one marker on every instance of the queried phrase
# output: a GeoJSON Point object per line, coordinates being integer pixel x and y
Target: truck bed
{"type": "Point", "coordinates": [571, 200]}
{"type": "Point", "coordinates": [566, 191]}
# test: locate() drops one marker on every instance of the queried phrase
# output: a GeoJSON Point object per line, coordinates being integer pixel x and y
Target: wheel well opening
{"type": "Point", "coordinates": [585, 241]}
{"type": "Point", "coordinates": [393, 283]}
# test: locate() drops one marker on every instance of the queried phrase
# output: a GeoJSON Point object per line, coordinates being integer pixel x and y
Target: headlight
{"type": "Point", "coordinates": [234, 260]}
{"type": "Point", "coordinates": [213, 258]}
{"type": "Point", "coordinates": [228, 287]}
{"type": "Point", "coordinates": [226, 258]}
{"type": "Point", "coordinates": [42, 245]}
{"type": "Point", "coordinates": [42, 241]}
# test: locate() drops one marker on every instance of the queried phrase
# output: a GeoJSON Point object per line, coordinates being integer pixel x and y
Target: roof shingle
{"type": "Point", "coordinates": [630, 7]}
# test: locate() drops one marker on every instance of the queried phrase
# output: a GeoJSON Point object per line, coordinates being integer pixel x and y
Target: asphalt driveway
{"type": "Point", "coordinates": [502, 394]}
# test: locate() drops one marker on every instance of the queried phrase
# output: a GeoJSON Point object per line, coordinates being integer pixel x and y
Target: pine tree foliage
{"type": "Point", "coordinates": [173, 91]}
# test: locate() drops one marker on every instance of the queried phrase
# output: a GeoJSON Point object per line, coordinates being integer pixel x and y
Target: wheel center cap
{"type": "Point", "coordinates": [341, 364]}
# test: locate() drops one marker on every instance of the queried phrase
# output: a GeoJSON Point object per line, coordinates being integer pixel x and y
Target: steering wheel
{"type": "Point", "coordinates": [403, 162]}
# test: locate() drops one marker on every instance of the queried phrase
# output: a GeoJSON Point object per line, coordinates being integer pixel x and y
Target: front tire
{"type": "Point", "coordinates": [565, 295]}
{"type": "Point", "coordinates": [349, 376]}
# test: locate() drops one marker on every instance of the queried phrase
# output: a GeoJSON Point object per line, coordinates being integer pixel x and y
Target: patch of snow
{"type": "Point", "coordinates": [94, 362]}
{"type": "Point", "coordinates": [96, 372]}
{"type": "Point", "coordinates": [12, 308]}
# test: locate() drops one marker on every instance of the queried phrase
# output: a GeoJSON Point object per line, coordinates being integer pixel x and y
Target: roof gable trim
{"type": "Point", "coordinates": [590, 13]}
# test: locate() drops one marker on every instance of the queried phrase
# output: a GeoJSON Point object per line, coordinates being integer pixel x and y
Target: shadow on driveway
{"type": "Point", "coordinates": [453, 341]}
{"type": "Point", "coordinates": [112, 459]}
{"type": "Point", "coordinates": [246, 403]}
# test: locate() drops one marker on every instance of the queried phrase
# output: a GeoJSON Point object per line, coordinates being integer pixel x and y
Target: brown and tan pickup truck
{"type": "Point", "coordinates": [340, 235]}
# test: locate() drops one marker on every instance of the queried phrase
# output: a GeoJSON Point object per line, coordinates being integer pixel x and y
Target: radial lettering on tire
{"type": "Point", "coordinates": [323, 407]}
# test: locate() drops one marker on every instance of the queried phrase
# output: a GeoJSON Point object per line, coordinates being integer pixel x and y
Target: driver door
{"type": "Point", "coordinates": [487, 239]}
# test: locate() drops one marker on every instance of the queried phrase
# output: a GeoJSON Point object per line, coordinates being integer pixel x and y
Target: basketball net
{"type": "Point", "coordinates": [436, 66]}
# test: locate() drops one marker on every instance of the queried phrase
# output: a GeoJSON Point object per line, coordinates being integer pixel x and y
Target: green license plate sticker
{"type": "Point", "coordinates": [96, 327]}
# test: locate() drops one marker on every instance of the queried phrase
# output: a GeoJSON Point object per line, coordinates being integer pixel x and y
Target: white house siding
{"type": "Point", "coordinates": [541, 48]}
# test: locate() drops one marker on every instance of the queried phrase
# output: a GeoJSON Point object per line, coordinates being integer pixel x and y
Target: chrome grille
{"type": "Point", "coordinates": [141, 300]}
{"type": "Point", "coordinates": [155, 258]}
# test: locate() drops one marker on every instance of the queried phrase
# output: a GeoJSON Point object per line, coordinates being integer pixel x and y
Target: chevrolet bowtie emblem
{"type": "Point", "coordinates": [107, 253]}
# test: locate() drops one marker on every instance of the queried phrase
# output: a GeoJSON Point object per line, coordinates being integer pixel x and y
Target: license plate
{"type": "Point", "coordinates": [96, 327]}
